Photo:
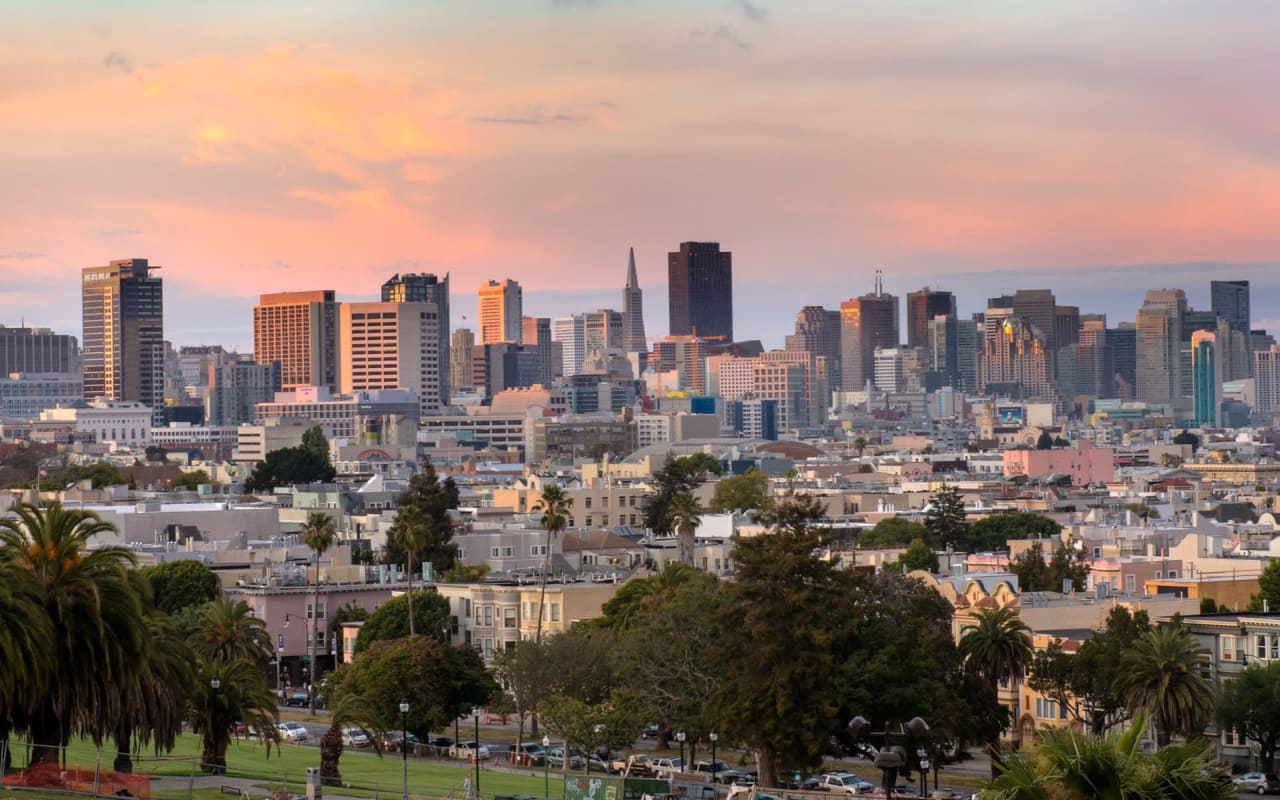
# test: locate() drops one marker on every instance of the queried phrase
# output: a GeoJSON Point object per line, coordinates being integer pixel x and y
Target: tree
{"type": "Point", "coordinates": [1037, 575]}
{"type": "Point", "coordinates": [686, 516]}
{"type": "Point", "coordinates": [1164, 676]}
{"type": "Point", "coordinates": [1045, 442]}
{"type": "Point", "coordinates": [315, 443]}
{"type": "Point", "coordinates": [523, 672]}
{"type": "Point", "coordinates": [945, 516]}
{"type": "Point", "coordinates": [423, 520]}
{"type": "Point", "coordinates": [241, 696]}
{"type": "Point", "coordinates": [992, 533]}
{"type": "Point", "coordinates": [745, 492]}
{"type": "Point", "coordinates": [351, 612]}
{"type": "Point", "coordinates": [555, 508]}
{"type": "Point", "coordinates": [1187, 437]}
{"type": "Point", "coordinates": [1250, 704]}
{"type": "Point", "coordinates": [895, 532]}
{"type": "Point", "coordinates": [391, 619]}
{"type": "Point", "coordinates": [1170, 460]}
{"type": "Point", "coordinates": [997, 650]}
{"type": "Point", "coordinates": [289, 466]}
{"type": "Point", "coordinates": [319, 534]}
{"type": "Point", "coordinates": [228, 631]}
{"type": "Point", "coordinates": [641, 596]}
{"type": "Point", "coordinates": [1268, 595]}
{"type": "Point", "coordinates": [860, 444]}
{"type": "Point", "coordinates": [26, 644]}
{"type": "Point", "coordinates": [347, 711]}
{"type": "Point", "coordinates": [153, 701]}
{"type": "Point", "coordinates": [919, 556]}
{"type": "Point", "coordinates": [677, 476]}
{"type": "Point", "coordinates": [181, 584]}
{"type": "Point", "coordinates": [1069, 764]}
{"type": "Point", "coordinates": [94, 616]}
{"type": "Point", "coordinates": [609, 724]}
{"type": "Point", "coordinates": [192, 480]}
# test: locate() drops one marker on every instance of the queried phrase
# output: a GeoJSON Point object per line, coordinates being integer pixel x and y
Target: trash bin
{"type": "Point", "coordinates": [315, 789]}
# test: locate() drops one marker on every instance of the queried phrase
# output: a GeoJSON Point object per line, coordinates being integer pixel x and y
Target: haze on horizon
{"type": "Point", "coordinates": [976, 147]}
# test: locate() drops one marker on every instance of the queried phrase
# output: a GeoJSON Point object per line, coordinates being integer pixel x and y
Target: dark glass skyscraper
{"type": "Point", "coordinates": [700, 291]}
{"type": "Point", "coordinates": [1230, 301]}
{"type": "Point", "coordinates": [426, 288]}
{"type": "Point", "coordinates": [923, 306]}
{"type": "Point", "coordinates": [123, 345]}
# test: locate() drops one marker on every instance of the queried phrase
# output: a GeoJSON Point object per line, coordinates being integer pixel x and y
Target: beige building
{"type": "Point", "coordinates": [391, 346]}
{"type": "Point", "coordinates": [492, 617]}
{"type": "Point", "coordinates": [501, 312]}
{"type": "Point", "coordinates": [300, 330]}
{"type": "Point", "coordinates": [604, 504]}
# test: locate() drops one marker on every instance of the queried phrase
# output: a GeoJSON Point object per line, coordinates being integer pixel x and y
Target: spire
{"type": "Point", "coordinates": [632, 283]}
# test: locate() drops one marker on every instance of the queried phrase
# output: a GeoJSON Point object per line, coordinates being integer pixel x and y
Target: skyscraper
{"type": "Point", "coordinates": [38, 351]}
{"type": "Point", "coordinates": [392, 346]}
{"type": "Point", "coordinates": [426, 288]}
{"type": "Point", "coordinates": [123, 342]}
{"type": "Point", "coordinates": [866, 323]}
{"type": "Point", "coordinates": [1206, 379]}
{"type": "Point", "coordinates": [1230, 300]}
{"type": "Point", "coordinates": [461, 363]}
{"type": "Point", "coordinates": [818, 332]}
{"type": "Point", "coordinates": [633, 338]}
{"type": "Point", "coordinates": [236, 385]}
{"type": "Point", "coordinates": [1015, 360]}
{"type": "Point", "coordinates": [602, 330]}
{"type": "Point", "coordinates": [570, 333]}
{"type": "Point", "coordinates": [1266, 372]}
{"type": "Point", "coordinates": [300, 330]}
{"type": "Point", "coordinates": [536, 332]}
{"type": "Point", "coordinates": [700, 291]}
{"type": "Point", "coordinates": [922, 306]}
{"type": "Point", "coordinates": [501, 312]}
{"type": "Point", "coordinates": [1159, 339]}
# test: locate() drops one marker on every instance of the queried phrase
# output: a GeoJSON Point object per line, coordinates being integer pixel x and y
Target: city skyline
{"type": "Point", "coordinates": [332, 149]}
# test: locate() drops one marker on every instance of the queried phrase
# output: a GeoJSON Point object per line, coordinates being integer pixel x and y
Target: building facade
{"type": "Point", "coordinates": [37, 351]}
{"type": "Point", "coordinates": [427, 288]}
{"type": "Point", "coordinates": [633, 336]}
{"type": "Point", "coordinates": [123, 341]}
{"type": "Point", "coordinates": [501, 312]}
{"type": "Point", "coordinates": [700, 291]}
{"type": "Point", "coordinates": [392, 346]}
{"type": "Point", "coordinates": [299, 330]}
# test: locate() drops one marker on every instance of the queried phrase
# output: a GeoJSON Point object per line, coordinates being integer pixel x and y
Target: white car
{"type": "Point", "coordinates": [354, 737]}
{"type": "Point", "coordinates": [469, 751]}
{"type": "Point", "coordinates": [845, 782]}
{"type": "Point", "coordinates": [291, 732]}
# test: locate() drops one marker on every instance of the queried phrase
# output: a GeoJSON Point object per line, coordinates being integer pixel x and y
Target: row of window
{"type": "Point", "coordinates": [538, 550]}
{"type": "Point", "coordinates": [1266, 647]}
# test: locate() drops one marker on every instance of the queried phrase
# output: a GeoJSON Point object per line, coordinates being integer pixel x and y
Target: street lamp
{"type": "Point", "coordinates": [889, 758]}
{"type": "Point", "coordinates": [546, 766]}
{"type": "Point", "coordinates": [280, 646]}
{"type": "Point", "coordinates": [475, 751]}
{"type": "Point", "coordinates": [214, 683]}
{"type": "Point", "coordinates": [714, 737]}
{"type": "Point", "coordinates": [680, 737]}
{"type": "Point", "coordinates": [404, 746]}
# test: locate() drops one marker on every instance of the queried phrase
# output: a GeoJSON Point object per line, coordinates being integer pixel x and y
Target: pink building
{"type": "Point", "coordinates": [1083, 462]}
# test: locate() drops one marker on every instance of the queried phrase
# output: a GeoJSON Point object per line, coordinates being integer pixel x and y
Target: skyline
{"type": "Point", "coordinates": [975, 150]}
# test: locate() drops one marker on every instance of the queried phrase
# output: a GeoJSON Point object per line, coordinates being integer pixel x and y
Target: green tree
{"type": "Point", "coordinates": [992, 533]}
{"type": "Point", "coordinates": [241, 696]}
{"type": "Point", "coordinates": [1268, 595]}
{"type": "Point", "coordinates": [350, 612]}
{"type": "Point", "coordinates": [319, 533]}
{"type": "Point", "coordinates": [860, 444]}
{"type": "Point", "coordinates": [315, 443]}
{"type": "Point", "coordinates": [181, 584]}
{"type": "Point", "coordinates": [26, 644]}
{"type": "Point", "coordinates": [1164, 675]}
{"type": "Point", "coordinates": [1045, 442]}
{"type": "Point", "coordinates": [997, 650]}
{"type": "Point", "coordinates": [677, 476]}
{"type": "Point", "coordinates": [347, 711]}
{"type": "Point", "coordinates": [192, 480]}
{"type": "Point", "coordinates": [289, 466]}
{"type": "Point", "coordinates": [686, 516]}
{"type": "Point", "coordinates": [94, 615]}
{"type": "Point", "coordinates": [1096, 668]}
{"type": "Point", "coordinates": [391, 619]}
{"type": "Point", "coordinates": [945, 517]}
{"type": "Point", "coordinates": [423, 521]}
{"type": "Point", "coordinates": [745, 492]}
{"type": "Point", "coordinates": [555, 508]}
{"type": "Point", "coordinates": [640, 596]}
{"type": "Point", "coordinates": [611, 723]}
{"type": "Point", "coordinates": [1070, 765]}
{"type": "Point", "coordinates": [895, 532]}
{"type": "Point", "coordinates": [153, 701]}
{"type": "Point", "coordinates": [228, 631]}
{"type": "Point", "coordinates": [1035, 574]}
{"type": "Point", "coordinates": [1250, 703]}
{"type": "Point", "coordinates": [524, 672]}
{"type": "Point", "coordinates": [1187, 437]}
{"type": "Point", "coordinates": [919, 556]}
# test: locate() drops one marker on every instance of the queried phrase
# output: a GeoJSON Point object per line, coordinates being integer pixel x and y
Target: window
{"type": "Point", "coordinates": [1228, 648]}
{"type": "Point", "coordinates": [586, 502]}
{"type": "Point", "coordinates": [1260, 646]}
{"type": "Point", "coordinates": [312, 612]}
{"type": "Point", "coordinates": [555, 612]}
{"type": "Point", "coordinates": [493, 552]}
{"type": "Point", "coordinates": [1275, 647]}
{"type": "Point", "coordinates": [1048, 709]}
{"type": "Point", "coordinates": [509, 617]}
{"type": "Point", "coordinates": [509, 646]}
{"type": "Point", "coordinates": [1130, 584]}
{"type": "Point", "coordinates": [538, 550]}
{"type": "Point", "coordinates": [488, 648]}
{"type": "Point", "coordinates": [488, 616]}
{"type": "Point", "coordinates": [507, 552]}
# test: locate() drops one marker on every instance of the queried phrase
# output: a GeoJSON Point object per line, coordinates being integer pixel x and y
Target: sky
{"type": "Point", "coordinates": [1095, 148]}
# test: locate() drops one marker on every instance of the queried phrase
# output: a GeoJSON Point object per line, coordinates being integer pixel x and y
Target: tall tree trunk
{"type": "Point", "coordinates": [685, 545]}
{"type": "Point", "coordinates": [766, 766]}
{"type": "Point", "coordinates": [123, 737]}
{"type": "Point", "coordinates": [542, 600]}
{"type": "Point", "coordinates": [408, 569]}
{"type": "Point", "coordinates": [46, 736]}
{"type": "Point", "coordinates": [330, 753]}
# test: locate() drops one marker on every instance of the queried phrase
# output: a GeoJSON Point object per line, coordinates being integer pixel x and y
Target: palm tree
{"type": "Point", "coordinates": [25, 645]}
{"type": "Point", "coordinates": [227, 631]}
{"type": "Point", "coordinates": [685, 515]}
{"type": "Point", "coordinates": [319, 533]}
{"type": "Point", "coordinates": [410, 531]}
{"type": "Point", "coordinates": [997, 650]}
{"type": "Point", "coordinates": [94, 614]}
{"type": "Point", "coordinates": [1164, 674]}
{"type": "Point", "coordinates": [1069, 765]}
{"type": "Point", "coordinates": [347, 711]}
{"type": "Point", "coordinates": [225, 692]}
{"type": "Point", "coordinates": [555, 508]}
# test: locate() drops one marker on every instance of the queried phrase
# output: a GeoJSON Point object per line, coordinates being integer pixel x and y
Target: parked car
{"type": "Point", "coordinates": [650, 731]}
{"type": "Point", "coordinates": [354, 737]}
{"type": "Point", "coordinates": [665, 766]}
{"type": "Point", "coordinates": [555, 759]}
{"type": "Point", "coordinates": [469, 751]}
{"type": "Point", "coordinates": [297, 700]}
{"type": "Point", "coordinates": [636, 765]}
{"type": "Point", "coordinates": [395, 742]}
{"type": "Point", "coordinates": [747, 778]}
{"type": "Point", "coordinates": [719, 769]}
{"type": "Point", "coordinates": [292, 732]}
{"type": "Point", "coordinates": [845, 782]}
{"type": "Point", "coordinates": [526, 755]}
{"type": "Point", "coordinates": [1258, 783]}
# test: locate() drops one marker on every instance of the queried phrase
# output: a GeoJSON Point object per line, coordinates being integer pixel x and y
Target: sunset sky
{"type": "Point", "coordinates": [1096, 148]}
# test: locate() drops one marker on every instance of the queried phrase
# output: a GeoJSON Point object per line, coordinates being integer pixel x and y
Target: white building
{"type": "Point", "coordinates": [391, 346]}
{"type": "Point", "coordinates": [125, 423]}
{"type": "Point", "coordinates": [24, 395]}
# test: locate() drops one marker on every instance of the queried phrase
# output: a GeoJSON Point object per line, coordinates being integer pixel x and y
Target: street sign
{"type": "Point", "coordinates": [280, 643]}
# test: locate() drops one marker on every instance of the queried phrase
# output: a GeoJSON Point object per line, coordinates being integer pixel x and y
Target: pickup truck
{"type": "Point", "coordinates": [664, 767]}
{"type": "Point", "coordinates": [719, 770]}
{"type": "Point", "coordinates": [635, 766]}
{"type": "Point", "coordinates": [845, 782]}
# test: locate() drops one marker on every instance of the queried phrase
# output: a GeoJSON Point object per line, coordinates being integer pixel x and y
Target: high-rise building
{"type": "Point", "coordinates": [123, 355]}
{"type": "Point", "coordinates": [1066, 325]}
{"type": "Point", "coordinates": [952, 356]}
{"type": "Point", "coordinates": [392, 346]}
{"type": "Point", "coordinates": [1016, 362]}
{"type": "Point", "coordinates": [602, 330]}
{"type": "Point", "coordinates": [1038, 307]}
{"type": "Point", "coordinates": [1124, 351]}
{"type": "Point", "coordinates": [1266, 374]}
{"type": "Point", "coordinates": [1206, 379]}
{"type": "Point", "coordinates": [923, 306]}
{"type": "Point", "coordinates": [866, 323]}
{"type": "Point", "coordinates": [536, 332]}
{"type": "Point", "coordinates": [1095, 358]}
{"type": "Point", "coordinates": [1230, 301]}
{"type": "Point", "coordinates": [1159, 339]}
{"type": "Point", "coordinates": [570, 333]}
{"type": "Point", "coordinates": [300, 330]}
{"type": "Point", "coordinates": [633, 338]}
{"type": "Point", "coordinates": [460, 359]}
{"type": "Point", "coordinates": [37, 351]}
{"type": "Point", "coordinates": [235, 387]}
{"type": "Point", "coordinates": [424, 287]}
{"type": "Point", "coordinates": [700, 291]}
{"type": "Point", "coordinates": [818, 332]}
{"type": "Point", "coordinates": [501, 312]}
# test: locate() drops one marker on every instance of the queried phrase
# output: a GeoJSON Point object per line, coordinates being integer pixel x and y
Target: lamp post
{"type": "Point", "coordinates": [475, 752]}
{"type": "Point", "coordinates": [890, 758]}
{"type": "Point", "coordinates": [546, 766]}
{"type": "Point", "coordinates": [714, 737]}
{"type": "Point", "coordinates": [280, 647]}
{"type": "Point", "coordinates": [680, 737]}
{"type": "Point", "coordinates": [404, 746]}
{"type": "Point", "coordinates": [214, 684]}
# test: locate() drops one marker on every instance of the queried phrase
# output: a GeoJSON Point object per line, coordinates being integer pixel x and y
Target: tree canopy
{"type": "Point", "coordinates": [391, 619]}
{"type": "Point", "coordinates": [1036, 574]}
{"type": "Point", "coordinates": [423, 524]}
{"type": "Point", "coordinates": [1250, 703]}
{"type": "Point", "coordinates": [181, 584]}
{"type": "Point", "coordinates": [289, 466]}
{"type": "Point", "coordinates": [896, 532]}
{"type": "Point", "coordinates": [945, 518]}
{"type": "Point", "coordinates": [1268, 595]}
{"type": "Point", "coordinates": [745, 492]}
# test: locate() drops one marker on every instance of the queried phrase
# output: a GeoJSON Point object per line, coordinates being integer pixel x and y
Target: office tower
{"type": "Point", "coordinates": [37, 351]}
{"type": "Point", "coordinates": [1206, 379]}
{"type": "Point", "coordinates": [536, 332]}
{"type": "Point", "coordinates": [888, 369]}
{"type": "Point", "coordinates": [780, 380]}
{"type": "Point", "coordinates": [923, 306]}
{"type": "Point", "coordinates": [633, 338]}
{"type": "Point", "coordinates": [818, 332]}
{"type": "Point", "coordinates": [1066, 325]}
{"type": "Point", "coordinates": [460, 359]}
{"type": "Point", "coordinates": [425, 287]}
{"type": "Point", "coordinates": [700, 291]}
{"type": "Point", "coordinates": [300, 330]}
{"type": "Point", "coordinates": [1159, 339]}
{"type": "Point", "coordinates": [1230, 301]}
{"type": "Point", "coordinates": [1016, 362]}
{"type": "Point", "coordinates": [570, 333]}
{"type": "Point", "coordinates": [1095, 358]}
{"type": "Point", "coordinates": [501, 312]}
{"type": "Point", "coordinates": [236, 385]}
{"type": "Point", "coordinates": [866, 323]}
{"type": "Point", "coordinates": [687, 356]}
{"type": "Point", "coordinates": [602, 330]}
{"type": "Point", "coordinates": [1266, 374]}
{"type": "Point", "coordinates": [952, 356]}
{"type": "Point", "coordinates": [123, 355]}
{"type": "Point", "coordinates": [1124, 350]}
{"type": "Point", "coordinates": [506, 365]}
{"type": "Point", "coordinates": [392, 346]}
{"type": "Point", "coordinates": [1039, 307]}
